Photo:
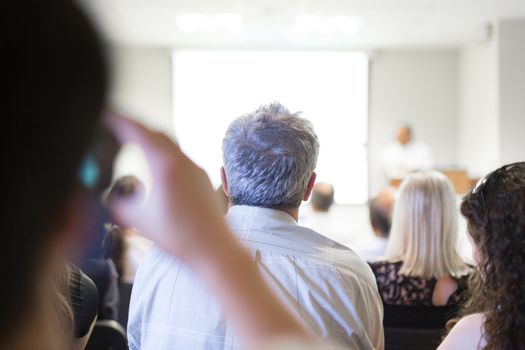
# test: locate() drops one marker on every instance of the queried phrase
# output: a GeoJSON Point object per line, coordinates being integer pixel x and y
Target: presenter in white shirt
{"type": "Point", "coordinates": [405, 155]}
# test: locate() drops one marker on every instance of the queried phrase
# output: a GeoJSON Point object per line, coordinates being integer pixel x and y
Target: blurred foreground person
{"type": "Point", "coordinates": [269, 161]}
{"type": "Point", "coordinates": [494, 315]}
{"type": "Point", "coordinates": [422, 265]}
{"type": "Point", "coordinates": [54, 83]}
{"type": "Point", "coordinates": [380, 209]}
{"type": "Point", "coordinates": [54, 86]}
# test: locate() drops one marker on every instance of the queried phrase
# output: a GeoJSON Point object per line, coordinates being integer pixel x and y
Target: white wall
{"type": "Point", "coordinates": [142, 85]}
{"type": "Point", "coordinates": [479, 108]}
{"type": "Point", "coordinates": [492, 112]}
{"type": "Point", "coordinates": [421, 88]}
{"type": "Point", "coordinates": [512, 90]}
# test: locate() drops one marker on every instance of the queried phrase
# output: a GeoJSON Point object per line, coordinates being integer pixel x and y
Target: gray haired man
{"type": "Point", "coordinates": [269, 161]}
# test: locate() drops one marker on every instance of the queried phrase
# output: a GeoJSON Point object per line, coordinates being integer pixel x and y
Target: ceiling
{"type": "Point", "coordinates": [269, 23]}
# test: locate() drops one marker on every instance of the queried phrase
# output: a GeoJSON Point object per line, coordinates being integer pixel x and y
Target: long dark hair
{"type": "Point", "coordinates": [495, 213]}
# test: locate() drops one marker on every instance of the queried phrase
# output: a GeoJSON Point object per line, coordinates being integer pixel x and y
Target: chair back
{"type": "Point", "coordinates": [412, 339]}
{"type": "Point", "coordinates": [415, 327]}
{"type": "Point", "coordinates": [107, 335]}
{"type": "Point", "coordinates": [418, 317]}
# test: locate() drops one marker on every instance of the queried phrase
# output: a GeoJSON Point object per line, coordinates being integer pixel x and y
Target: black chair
{"type": "Point", "coordinates": [107, 335]}
{"type": "Point", "coordinates": [125, 297]}
{"type": "Point", "coordinates": [412, 339]}
{"type": "Point", "coordinates": [415, 327]}
{"type": "Point", "coordinates": [418, 317]}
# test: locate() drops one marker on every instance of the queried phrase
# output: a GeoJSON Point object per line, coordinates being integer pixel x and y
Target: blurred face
{"type": "Point", "coordinates": [403, 136]}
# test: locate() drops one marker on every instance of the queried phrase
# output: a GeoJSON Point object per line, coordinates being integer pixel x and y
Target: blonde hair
{"type": "Point", "coordinates": [424, 228]}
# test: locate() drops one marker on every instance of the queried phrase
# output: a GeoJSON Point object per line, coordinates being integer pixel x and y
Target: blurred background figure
{"type": "Point", "coordinates": [405, 155]}
{"type": "Point", "coordinates": [324, 215]}
{"type": "Point", "coordinates": [380, 207]}
{"type": "Point", "coordinates": [322, 197]}
{"type": "Point", "coordinates": [128, 248]}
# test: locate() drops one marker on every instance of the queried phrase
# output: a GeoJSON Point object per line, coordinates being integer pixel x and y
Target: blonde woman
{"type": "Point", "coordinates": [422, 265]}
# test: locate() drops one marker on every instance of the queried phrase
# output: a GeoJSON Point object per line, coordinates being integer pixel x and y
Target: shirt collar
{"type": "Point", "coordinates": [260, 213]}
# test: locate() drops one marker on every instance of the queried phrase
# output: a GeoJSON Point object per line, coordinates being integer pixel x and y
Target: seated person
{"type": "Point", "coordinates": [126, 247]}
{"type": "Point", "coordinates": [494, 315]}
{"type": "Point", "coordinates": [269, 161]}
{"type": "Point", "coordinates": [322, 197]}
{"type": "Point", "coordinates": [380, 208]}
{"type": "Point", "coordinates": [324, 217]}
{"type": "Point", "coordinates": [104, 274]}
{"type": "Point", "coordinates": [422, 266]}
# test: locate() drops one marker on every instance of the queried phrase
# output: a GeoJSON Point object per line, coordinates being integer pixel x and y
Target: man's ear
{"type": "Point", "coordinates": [224, 182]}
{"type": "Point", "coordinates": [310, 187]}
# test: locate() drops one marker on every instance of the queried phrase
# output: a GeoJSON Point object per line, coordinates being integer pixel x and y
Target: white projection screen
{"type": "Point", "coordinates": [213, 87]}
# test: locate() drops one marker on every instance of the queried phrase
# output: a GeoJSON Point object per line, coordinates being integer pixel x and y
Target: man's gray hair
{"type": "Point", "coordinates": [269, 156]}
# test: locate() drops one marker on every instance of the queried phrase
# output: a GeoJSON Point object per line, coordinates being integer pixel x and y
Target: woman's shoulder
{"type": "Point", "coordinates": [466, 334]}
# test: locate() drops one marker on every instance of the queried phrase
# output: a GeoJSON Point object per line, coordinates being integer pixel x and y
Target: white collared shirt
{"type": "Point", "coordinates": [327, 286]}
{"type": "Point", "coordinates": [401, 160]}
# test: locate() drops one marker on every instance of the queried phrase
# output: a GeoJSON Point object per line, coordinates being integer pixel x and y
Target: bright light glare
{"type": "Point", "coordinates": [313, 24]}
{"type": "Point", "coordinates": [227, 23]}
{"type": "Point", "coordinates": [211, 88]}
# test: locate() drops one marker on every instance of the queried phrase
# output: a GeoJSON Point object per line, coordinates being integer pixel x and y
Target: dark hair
{"type": "Point", "coordinates": [323, 197]}
{"type": "Point", "coordinates": [495, 213]}
{"type": "Point", "coordinates": [115, 247]}
{"type": "Point", "coordinates": [54, 80]}
{"type": "Point", "coordinates": [125, 186]}
{"type": "Point", "coordinates": [380, 216]}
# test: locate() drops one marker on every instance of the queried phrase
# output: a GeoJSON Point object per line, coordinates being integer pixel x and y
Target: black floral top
{"type": "Point", "coordinates": [398, 289]}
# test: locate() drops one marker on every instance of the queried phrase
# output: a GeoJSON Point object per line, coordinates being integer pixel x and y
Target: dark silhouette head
{"type": "Point", "coordinates": [322, 197]}
{"type": "Point", "coordinates": [380, 210]}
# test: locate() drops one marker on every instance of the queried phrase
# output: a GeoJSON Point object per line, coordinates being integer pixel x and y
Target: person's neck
{"type": "Point", "coordinates": [293, 212]}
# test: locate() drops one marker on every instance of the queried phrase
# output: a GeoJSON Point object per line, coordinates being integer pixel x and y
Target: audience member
{"type": "Point", "coordinates": [269, 161]}
{"type": "Point", "coordinates": [104, 274]}
{"type": "Point", "coordinates": [380, 207]}
{"type": "Point", "coordinates": [55, 80]}
{"type": "Point", "coordinates": [322, 197]}
{"type": "Point", "coordinates": [422, 266]}
{"type": "Point", "coordinates": [321, 215]}
{"type": "Point", "coordinates": [127, 247]}
{"type": "Point", "coordinates": [494, 315]}
{"type": "Point", "coordinates": [405, 155]}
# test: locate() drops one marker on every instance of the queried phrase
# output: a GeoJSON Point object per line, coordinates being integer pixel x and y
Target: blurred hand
{"type": "Point", "coordinates": [180, 213]}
